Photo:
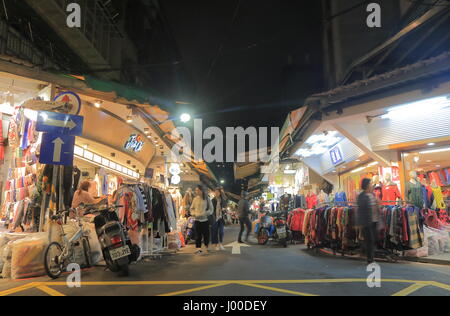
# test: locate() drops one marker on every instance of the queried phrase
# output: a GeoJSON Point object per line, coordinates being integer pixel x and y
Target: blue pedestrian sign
{"type": "Point", "coordinates": [58, 123]}
{"type": "Point", "coordinates": [57, 149]}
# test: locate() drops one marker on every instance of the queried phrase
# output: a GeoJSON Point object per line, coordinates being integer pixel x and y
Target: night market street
{"type": "Point", "coordinates": [258, 271]}
{"type": "Point", "coordinates": [140, 139]}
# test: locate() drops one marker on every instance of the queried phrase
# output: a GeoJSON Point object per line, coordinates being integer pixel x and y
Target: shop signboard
{"type": "Point", "coordinates": [134, 143]}
{"type": "Point", "coordinates": [57, 149]}
{"type": "Point", "coordinates": [336, 155]}
{"type": "Point", "coordinates": [71, 100]}
{"type": "Point", "coordinates": [58, 123]}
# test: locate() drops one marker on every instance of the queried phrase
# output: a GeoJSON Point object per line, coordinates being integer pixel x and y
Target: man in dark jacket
{"type": "Point", "coordinates": [243, 211]}
{"type": "Point", "coordinates": [367, 217]}
{"type": "Point", "coordinates": [217, 230]}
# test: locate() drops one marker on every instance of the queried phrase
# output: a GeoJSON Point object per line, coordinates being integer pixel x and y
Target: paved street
{"type": "Point", "coordinates": [257, 271]}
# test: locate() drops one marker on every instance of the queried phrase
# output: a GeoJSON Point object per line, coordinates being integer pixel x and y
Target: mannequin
{"type": "Point", "coordinates": [414, 189]}
{"type": "Point", "coordinates": [322, 197]}
{"type": "Point", "coordinates": [300, 200]}
{"type": "Point", "coordinates": [378, 187]}
{"type": "Point", "coordinates": [439, 202]}
{"type": "Point", "coordinates": [311, 200]}
{"type": "Point", "coordinates": [390, 191]}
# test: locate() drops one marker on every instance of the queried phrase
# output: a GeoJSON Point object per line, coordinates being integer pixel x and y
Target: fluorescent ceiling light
{"type": "Point", "coordinates": [290, 171]}
{"type": "Point", "coordinates": [373, 164]}
{"type": "Point", "coordinates": [434, 151]}
{"type": "Point", "coordinates": [417, 109]}
{"type": "Point", "coordinates": [358, 170]}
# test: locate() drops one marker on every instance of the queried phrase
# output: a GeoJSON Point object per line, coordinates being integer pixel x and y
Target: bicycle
{"type": "Point", "coordinates": [57, 256]}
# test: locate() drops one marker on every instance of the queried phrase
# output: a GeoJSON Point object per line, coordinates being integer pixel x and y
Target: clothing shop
{"type": "Point", "coordinates": [121, 161]}
{"type": "Point", "coordinates": [294, 185]}
{"type": "Point", "coordinates": [399, 138]}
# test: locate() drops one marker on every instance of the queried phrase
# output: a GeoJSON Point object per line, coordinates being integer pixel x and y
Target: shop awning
{"type": "Point", "coordinates": [405, 79]}
{"type": "Point", "coordinates": [128, 93]}
{"type": "Point", "coordinates": [245, 170]}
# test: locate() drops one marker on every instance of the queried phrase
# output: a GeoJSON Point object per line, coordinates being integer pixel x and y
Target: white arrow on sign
{"type": "Point", "coordinates": [66, 124]}
{"type": "Point", "coordinates": [236, 247]}
{"type": "Point", "coordinates": [58, 149]}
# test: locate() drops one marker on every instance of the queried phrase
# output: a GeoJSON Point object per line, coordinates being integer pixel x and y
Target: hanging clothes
{"type": "Point", "coordinates": [390, 193]}
{"type": "Point", "coordinates": [415, 195]}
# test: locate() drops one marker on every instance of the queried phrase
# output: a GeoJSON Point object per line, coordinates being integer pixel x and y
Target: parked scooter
{"type": "Point", "coordinates": [189, 233]}
{"type": "Point", "coordinates": [273, 226]}
{"type": "Point", "coordinates": [117, 249]}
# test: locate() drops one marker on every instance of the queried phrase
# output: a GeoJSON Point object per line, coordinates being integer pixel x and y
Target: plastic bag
{"type": "Point", "coordinates": [27, 256]}
{"type": "Point", "coordinates": [6, 257]}
{"type": "Point", "coordinates": [94, 243]}
{"type": "Point", "coordinates": [438, 241]}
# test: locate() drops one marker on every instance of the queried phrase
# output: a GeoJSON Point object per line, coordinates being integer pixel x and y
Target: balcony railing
{"type": "Point", "coordinates": [97, 24]}
{"type": "Point", "coordinates": [14, 45]}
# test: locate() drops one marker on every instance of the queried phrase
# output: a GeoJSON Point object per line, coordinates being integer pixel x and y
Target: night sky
{"type": "Point", "coordinates": [249, 62]}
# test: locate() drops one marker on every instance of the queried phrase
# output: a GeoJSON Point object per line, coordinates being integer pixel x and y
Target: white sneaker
{"type": "Point", "coordinates": [199, 252]}
{"type": "Point", "coordinates": [222, 248]}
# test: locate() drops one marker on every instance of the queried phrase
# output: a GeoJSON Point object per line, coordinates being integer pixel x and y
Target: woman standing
{"type": "Point", "coordinates": [201, 208]}
{"type": "Point", "coordinates": [217, 229]}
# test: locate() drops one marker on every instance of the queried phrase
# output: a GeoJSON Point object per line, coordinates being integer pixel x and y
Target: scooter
{"type": "Point", "coordinates": [117, 249]}
{"type": "Point", "coordinates": [274, 227]}
{"type": "Point", "coordinates": [189, 233]}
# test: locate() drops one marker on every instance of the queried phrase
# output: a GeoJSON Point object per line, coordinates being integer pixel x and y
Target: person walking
{"type": "Point", "coordinates": [217, 229]}
{"type": "Point", "coordinates": [244, 213]}
{"type": "Point", "coordinates": [367, 218]}
{"type": "Point", "coordinates": [201, 208]}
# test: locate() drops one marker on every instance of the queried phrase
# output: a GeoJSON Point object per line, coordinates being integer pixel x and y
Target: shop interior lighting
{"type": "Point", "coordinates": [319, 144]}
{"type": "Point", "coordinates": [98, 104]}
{"type": "Point", "coordinates": [129, 119]}
{"type": "Point", "coordinates": [359, 169]}
{"type": "Point", "coordinates": [373, 164]}
{"type": "Point", "coordinates": [147, 130]}
{"type": "Point", "coordinates": [417, 109]}
{"type": "Point", "coordinates": [85, 146]}
{"type": "Point", "coordinates": [431, 144]}
{"type": "Point", "coordinates": [289, 171]}
{"type": "Point", "coordinates": [435, 151]}
{"type": "Point", "coordinates": [103, 162]}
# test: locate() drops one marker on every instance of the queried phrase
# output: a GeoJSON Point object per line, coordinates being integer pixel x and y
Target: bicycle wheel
{"type": "Point", "coordinates": [53, 266]}
{"type": "Point", "coordinates": [87, 252]}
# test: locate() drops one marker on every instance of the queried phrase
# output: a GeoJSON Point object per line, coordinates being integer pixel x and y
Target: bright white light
{"type": "Point", "coordinates": [434, 151]}
{"type": "Point", "coordinates": [415, 109]}
{"type": "Point", "coordinates": [416, 159]}
{"type": "Point", "coordinates": [321, 138]}
{"type": "Point", "coordinates": [373, 164]}
{"type": "Point", "coordinates": [290, 172]}
{"type": "Point", "coordinates": [6, 108]}
{"type": "Point", "coordinates": [185, 117]}
{"type": "Point", "coordinates": [31, 114]}
{"type": "Point", "coordinates": [431, 144]}
{"type": "Point", "coordinates": [358, 170]}
{"type": "Point", "coordinates": [175, 179]}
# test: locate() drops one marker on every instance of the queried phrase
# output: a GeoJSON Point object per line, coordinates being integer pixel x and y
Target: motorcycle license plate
{"type": "Point", "coordinates": [119, 253]}
{"type": "Point", "coordinates": [281, 232]}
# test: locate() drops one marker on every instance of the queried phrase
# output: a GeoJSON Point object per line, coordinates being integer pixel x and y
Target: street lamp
{"type": "Point", "coordinates": [185, 117]}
